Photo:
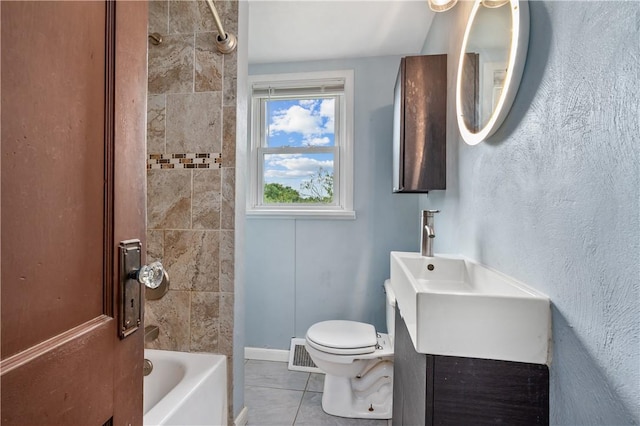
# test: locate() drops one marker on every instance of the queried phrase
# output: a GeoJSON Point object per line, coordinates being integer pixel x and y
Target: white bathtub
{"type": "Point", "coordinates": [185, 389]}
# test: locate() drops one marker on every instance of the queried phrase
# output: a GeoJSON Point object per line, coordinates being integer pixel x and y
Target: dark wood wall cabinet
{"type": "Point", "coordinates": [444, 390]}
{"type": "Point", "coordinates": [420, 123]}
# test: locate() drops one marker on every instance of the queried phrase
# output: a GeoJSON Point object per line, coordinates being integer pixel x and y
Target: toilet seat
{"type": "Point", "coordinates": [341, 337]}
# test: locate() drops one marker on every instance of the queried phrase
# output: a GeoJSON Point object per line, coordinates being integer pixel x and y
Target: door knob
{"type": "Point", "coordinates": [150, 275]}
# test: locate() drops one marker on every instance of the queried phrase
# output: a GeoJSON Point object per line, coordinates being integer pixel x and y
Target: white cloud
{"type": "Point", "coordinates": [305, 163]}
{"type": "Point", "coordinates": [328, 110]}
{"type": "Point", "coordinates": [300, 163]}
{"type": "Point", "coordinates": [305, 118]}
{"type": "Point", "coordinates": [318, 141]}
{"type": "Point", "coordinates": [295, 120]}
{"type": "Point", "coordinates": [308, 103]}
{"type": "Point", "coordinates": [294, 166]}
{"type": "Point", "coordinates": [287, 174]}
{"type": "Point", "coordinates": [271, 158]}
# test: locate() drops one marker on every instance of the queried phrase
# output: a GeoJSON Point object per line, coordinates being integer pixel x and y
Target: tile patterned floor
{"type": "Point", "coordinates": [276, 396]}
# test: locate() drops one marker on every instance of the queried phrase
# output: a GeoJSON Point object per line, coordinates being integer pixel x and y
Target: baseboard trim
{"type": "Point", "coordinates": [242, 418]}
{"type": "Point", "coordinates": [264, 354]}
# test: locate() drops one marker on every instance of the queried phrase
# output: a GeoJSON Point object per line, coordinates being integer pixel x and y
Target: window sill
{"type": "Point", "coordinates": [301, 214]}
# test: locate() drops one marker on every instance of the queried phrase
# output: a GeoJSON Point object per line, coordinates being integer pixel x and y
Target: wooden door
{"type": "Point", "coordinates": [73, 89]}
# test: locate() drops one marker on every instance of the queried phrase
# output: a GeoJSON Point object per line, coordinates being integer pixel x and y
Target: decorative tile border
{"type": "Point", "coordinates": [209, 160]}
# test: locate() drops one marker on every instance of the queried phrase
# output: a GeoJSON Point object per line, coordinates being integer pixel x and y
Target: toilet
{"type": "Point", "coordinates": [358, 365]}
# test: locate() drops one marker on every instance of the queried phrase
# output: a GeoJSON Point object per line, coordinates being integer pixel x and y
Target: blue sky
{"type": "Point", "coordinates": [299, 123]}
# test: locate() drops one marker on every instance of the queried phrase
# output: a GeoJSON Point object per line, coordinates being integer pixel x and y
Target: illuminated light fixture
{"type": "Point", "coordinates": [442, 5]}
{"type": "Point", "coordinates": [492, 4]}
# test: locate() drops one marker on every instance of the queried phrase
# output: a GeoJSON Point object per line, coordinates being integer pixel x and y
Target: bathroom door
{"type": "Point", "coordinates": [73, 110]}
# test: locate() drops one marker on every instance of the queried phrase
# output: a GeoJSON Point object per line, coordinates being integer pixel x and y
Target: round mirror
{"type": "Point", "coordinates": [494, 49]}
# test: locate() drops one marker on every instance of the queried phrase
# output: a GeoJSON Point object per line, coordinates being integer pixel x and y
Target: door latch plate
{"type": "Point", "coordinates": [130, 289]}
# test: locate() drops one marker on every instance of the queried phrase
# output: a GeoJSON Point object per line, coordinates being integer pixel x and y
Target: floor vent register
{"type": "Point", "coordinates": [299, 359]}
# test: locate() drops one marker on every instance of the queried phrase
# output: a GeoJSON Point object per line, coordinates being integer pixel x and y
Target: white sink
{"type": "Point", "coordinates": [454, 306]}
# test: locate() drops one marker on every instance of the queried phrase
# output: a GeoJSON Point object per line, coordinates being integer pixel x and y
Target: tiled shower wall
{"type": "Point", "coordinates": [191, 124]}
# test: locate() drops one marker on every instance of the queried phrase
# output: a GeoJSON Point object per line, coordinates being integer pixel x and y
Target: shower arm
{"type": "Point", "coordinates": [225, 42]}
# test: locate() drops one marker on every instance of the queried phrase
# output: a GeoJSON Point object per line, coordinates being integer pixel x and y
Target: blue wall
{"type": "Point", "coordinates": [553, 198]}
{"type": "Point", "coordinates": [302, 271]}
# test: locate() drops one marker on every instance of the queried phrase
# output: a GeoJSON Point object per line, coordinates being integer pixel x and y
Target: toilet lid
{"type": "Point", "coordinates": [356, 337]}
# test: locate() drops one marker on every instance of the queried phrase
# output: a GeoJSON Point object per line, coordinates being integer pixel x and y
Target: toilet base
{"type": "Point", "coordinates": [369, 397]}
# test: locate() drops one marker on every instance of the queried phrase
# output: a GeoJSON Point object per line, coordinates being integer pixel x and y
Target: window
{"type": "Point", "coordinates": [301, 154]}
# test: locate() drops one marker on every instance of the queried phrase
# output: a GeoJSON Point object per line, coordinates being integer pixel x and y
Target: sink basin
{"type": "Point", "coordinates": [456, 307]}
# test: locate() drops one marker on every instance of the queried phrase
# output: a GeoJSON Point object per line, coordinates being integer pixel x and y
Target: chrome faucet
{"type": "Point", "coordinates": [428, 232]}
{"type": "Point", "coordinates": [151, 333]}
{"type": "Point", "coordinates": [147, 367]}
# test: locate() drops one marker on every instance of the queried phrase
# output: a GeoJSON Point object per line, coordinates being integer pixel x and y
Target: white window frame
{"type": "Point", "coordinates": [342, 208]}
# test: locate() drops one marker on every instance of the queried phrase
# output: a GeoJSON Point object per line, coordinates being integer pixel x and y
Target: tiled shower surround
{"type": "Point", "coordinates": [191, 122]}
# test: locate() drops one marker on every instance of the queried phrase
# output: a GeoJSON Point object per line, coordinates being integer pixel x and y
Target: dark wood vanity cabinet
{"type": "Point", "coordinates": [444, 390]}
{"type": "Point", "coordinates": [409, 381]}
{"type": "Point", "coordinates": [420, 123]}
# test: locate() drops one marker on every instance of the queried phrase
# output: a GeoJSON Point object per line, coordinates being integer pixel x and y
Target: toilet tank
{"type": "Point", "coordinates": [391, 309]}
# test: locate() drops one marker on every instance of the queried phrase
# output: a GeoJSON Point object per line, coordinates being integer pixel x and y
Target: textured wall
{"type": "Point", "coordinates": [191, 213]}
{"type": "Point", "coordinates": [552, 199]}
{"type": "Point", "coordinates": [303, 271]}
